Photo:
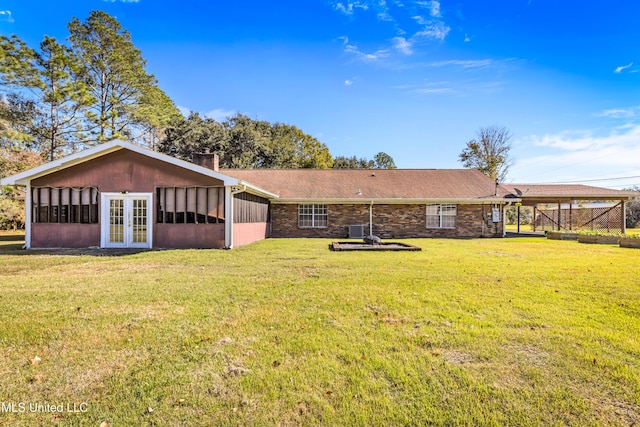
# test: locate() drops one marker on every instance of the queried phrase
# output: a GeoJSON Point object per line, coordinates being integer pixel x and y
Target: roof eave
{"type": "Point", "coordinates": [397, 201]}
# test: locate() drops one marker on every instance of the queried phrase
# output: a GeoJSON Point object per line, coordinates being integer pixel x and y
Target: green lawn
{"type": "Point", "coordinates": [521, 331]}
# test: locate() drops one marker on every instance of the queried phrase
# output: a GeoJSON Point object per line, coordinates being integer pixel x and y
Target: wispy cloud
{"type": "Point", "coordinates": [408, 40]}
{"type": "Point", "coordinates": [217, 114]}
{"type": "Point", "coordinates": [348, 82]}
{"type": "Point", "coordinates": [458, 88]}
{"type": "Point", "coordinates": [5, 15]}
{"type": "Point", "coordinates": [621, 68]}
{"type": "Point", "coordinates": [620, 113]}
{"type": "Point", "coordinates": [470, 63]}
{"type": "Point", "coordinates": [220, 114]}
{"type": "Point", "coordinates": [402, 45]}
{"type": "Point", "coordinates": [432, 6]}
{"type": "Point", "coordinates": [122, 1]}
{"type": "Point", "coordinates": [368, 57]}
{"type": "Point", "coordinates": [348, 8]}
{"type": "Point", "coordinates": [617, 149]}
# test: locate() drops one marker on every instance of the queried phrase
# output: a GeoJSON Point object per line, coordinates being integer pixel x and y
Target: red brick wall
{"type": "Point", "coordinates": [389, 221]}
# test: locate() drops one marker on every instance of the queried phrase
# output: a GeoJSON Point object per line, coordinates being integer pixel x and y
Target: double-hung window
{"type": "Point", "coordinates": [441, 216]}
{"type": "Point", "coordinates": [313, 216]}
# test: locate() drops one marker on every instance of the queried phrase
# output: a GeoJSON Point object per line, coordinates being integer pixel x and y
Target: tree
{"type": "Point", "coordinates": [153, 113]}
{"type": "Point", "coordinates": [489, 153]}
{"type": "Point", "coordinates": [380, 161]}
{"type": "Point", "coordinates": [18, 118]}
{"type": "Point", "coordinates": [384, 161]}
{"type": "Point", "coordinates": [242, 142]}
{"type": "Point", "coordinates": [195, 134]}
{"type": "Point", "coordinates": [114, 71]}
{"type": "Point", "coordinates": [633, 208]}
{"type": "Point", "coordinates": [50, 99]}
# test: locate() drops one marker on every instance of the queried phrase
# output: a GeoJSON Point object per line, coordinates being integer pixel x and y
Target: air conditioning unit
{"type": "Point", "coordinates": [356, 231]}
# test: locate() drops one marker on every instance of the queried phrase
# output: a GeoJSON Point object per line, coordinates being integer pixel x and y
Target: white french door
{"type": "Point", "coordinates": [126, 220]}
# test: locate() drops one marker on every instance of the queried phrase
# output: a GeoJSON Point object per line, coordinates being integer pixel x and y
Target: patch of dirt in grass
{"type": "Point", "coordinates": [501, 254]}
{"type": "Point", "coordinates": [530, 355]}
{"type": "Point", "coordinates": [622, 412]}
{"type": "Point", "coordinates": [458, 357]}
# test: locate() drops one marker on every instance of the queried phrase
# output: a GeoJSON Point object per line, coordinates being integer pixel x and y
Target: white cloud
{"type": "Point", "coordinates": [580, 154]}
{"type": "Point", "coordinates": [437, 31]}
{"type": "Point", "coordinates": [5, 15]}
{"type": "Point", "coordinates": [349, 8]}
{"type": "Point", "coordinates": [402, 45]}
{"type": "Point", "coordinates": [620, 69]}
{"type": "Point", "coordinates": [219, 114]}
{"type": "Point", "coordinates": [465, 63]}
{"type": "Point", "coordinates": [348, 82]}
{"type": "Point", "coordinates": [435, 9]}
{"type": "Point", "coordinates": [467, 39]}
{"type": "Point", "coordinates": [368, 57]}
{"type": "Point", "coordinates": [620, 113]}
{"type": "Point", "coordinates": [432, 27]}
{"type": "Point", "coordinates": [122, 1]}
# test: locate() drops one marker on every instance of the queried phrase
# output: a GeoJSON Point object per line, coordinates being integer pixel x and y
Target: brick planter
{"type": "Point", "coordinates": [603, 240]}
{"type": "Point", "coordinates": [629, 242]}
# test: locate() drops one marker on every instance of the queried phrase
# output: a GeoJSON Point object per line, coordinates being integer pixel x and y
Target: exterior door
{"type": "Point", "coordinates": [126, 220]}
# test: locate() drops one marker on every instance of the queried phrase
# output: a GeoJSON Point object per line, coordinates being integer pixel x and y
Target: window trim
{"type": "Point", "coordinates": [312, 211]}
{"type": "Point", "coordinates": [441, 215]}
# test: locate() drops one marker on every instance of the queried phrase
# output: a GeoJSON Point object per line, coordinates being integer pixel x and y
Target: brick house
{"type": "Point", "coordinates": [119, 195]}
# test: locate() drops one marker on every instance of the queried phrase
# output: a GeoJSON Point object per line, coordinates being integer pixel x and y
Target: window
{"type": "Point", "coordinates": [441, 216]}
{"type": "Point", "coordinates": [190, 205]}
{"type": "Point", "coordinates": [64, 205]}
{"type": "Point", "coordinates": [313, 216]}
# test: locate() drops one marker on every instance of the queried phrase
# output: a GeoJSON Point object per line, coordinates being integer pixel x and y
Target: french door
{"type": "Point", "coordinates": [126, 220]}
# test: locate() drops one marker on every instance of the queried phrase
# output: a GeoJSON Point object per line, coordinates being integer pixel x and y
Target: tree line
{"type": "Point", "coordinates": [62, 97]}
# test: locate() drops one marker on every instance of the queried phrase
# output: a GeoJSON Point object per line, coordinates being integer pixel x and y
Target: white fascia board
{"type": "Point", "coordinates": [396, 201]}
{"type": "Point", "coordinates": [576, 196]}
{"type": "Point", "coordinates": [252, 189]}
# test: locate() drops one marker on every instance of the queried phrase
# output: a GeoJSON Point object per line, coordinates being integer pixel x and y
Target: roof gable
{"type": "Point", "coordinates": [24, 177]}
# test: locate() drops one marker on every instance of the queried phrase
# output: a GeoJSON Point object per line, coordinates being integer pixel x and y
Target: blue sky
{"type": "Point", "coordinates": [413, 78]}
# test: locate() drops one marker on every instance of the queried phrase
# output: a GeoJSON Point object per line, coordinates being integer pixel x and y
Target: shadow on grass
{"type": "Point", "coordinates": [17, 250]}
{"type": "Point", "coordinates": [11, 237]}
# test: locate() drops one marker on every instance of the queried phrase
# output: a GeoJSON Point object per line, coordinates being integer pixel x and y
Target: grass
{"type": "Point", "coordinates": [522, 331]}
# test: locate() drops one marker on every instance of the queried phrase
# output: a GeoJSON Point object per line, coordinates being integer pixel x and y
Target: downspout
{"type": "Point", "coordinates": [229, 193]}
{"type": "Point", "coordinates": [483, 220]}
{"type": "Point", "coordinates": [28, 215]}
{"type": "Point", "coordinates": [371, 219]}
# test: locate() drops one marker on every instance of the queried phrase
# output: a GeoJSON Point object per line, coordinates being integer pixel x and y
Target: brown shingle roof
{"type": "Point", "coordinates": [371, 184]}
{"type": "Point", "coordinates": [573, 191]}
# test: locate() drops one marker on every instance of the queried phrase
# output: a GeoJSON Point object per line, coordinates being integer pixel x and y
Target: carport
{"type": "Point", "coordinates": [572, 207]}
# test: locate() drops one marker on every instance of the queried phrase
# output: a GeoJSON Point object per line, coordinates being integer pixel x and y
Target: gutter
{"type": "Point", "coordinates": [396, 201]}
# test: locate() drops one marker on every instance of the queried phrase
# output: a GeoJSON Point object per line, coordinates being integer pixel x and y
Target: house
{"type": "Point", "coordinates": [120, 195]}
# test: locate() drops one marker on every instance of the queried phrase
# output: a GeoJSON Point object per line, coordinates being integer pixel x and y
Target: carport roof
{"type": "Point", "coordinates": [550, 193]}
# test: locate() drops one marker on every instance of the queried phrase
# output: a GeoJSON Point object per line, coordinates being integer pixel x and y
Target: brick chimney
{"type": "Point", "coordinates": [207, 159]}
